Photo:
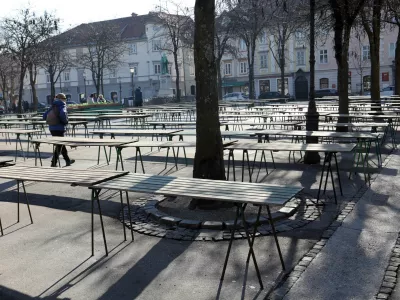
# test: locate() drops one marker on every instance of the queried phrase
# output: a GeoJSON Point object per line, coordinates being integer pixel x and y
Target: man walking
{"type": "Point", "coordinates": [57, 118]}
{"type": "Point", "coordinates": [138, 97]}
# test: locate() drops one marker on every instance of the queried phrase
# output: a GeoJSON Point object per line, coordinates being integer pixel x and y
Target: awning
{"type": "Point", "coordinates": [234, 83]}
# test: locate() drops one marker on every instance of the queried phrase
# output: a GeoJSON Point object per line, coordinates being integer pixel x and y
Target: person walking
{"type": "Point", "coordinates": [57, 118]}
{"type": "Point", "coordinates": [138, 97]}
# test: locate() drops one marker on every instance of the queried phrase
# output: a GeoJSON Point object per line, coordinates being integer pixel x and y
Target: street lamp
{"type": "Point", "coordinates": [84, 81]}
{"type": "Point", "coordinates": [120, 89]}
{"type": "Point", "coordinates": [132, 69]}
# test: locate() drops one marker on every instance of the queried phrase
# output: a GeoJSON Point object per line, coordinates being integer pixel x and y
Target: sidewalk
{"type": "Point", "coordinates": [353, 262]}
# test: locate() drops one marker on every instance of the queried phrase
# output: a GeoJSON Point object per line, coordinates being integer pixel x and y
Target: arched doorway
{"type": "Point", "coordinates": [192, 90]}
{"type": "Point", "coordinates": [301, 87]}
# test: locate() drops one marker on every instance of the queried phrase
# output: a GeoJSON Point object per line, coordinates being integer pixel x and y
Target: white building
{"type": "Point", "coordinates": [141, 65]}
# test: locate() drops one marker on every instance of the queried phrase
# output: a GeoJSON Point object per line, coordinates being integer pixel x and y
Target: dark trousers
{"type": "Point", "coordinates": [59, 148]}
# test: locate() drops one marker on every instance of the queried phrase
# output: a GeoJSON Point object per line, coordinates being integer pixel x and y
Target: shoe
{"type": "Point", "coordinates": [70, 162]}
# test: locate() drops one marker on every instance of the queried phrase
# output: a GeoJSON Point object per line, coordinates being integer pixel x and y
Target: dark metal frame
{"type": "Point", "coordinates": [250, 236]}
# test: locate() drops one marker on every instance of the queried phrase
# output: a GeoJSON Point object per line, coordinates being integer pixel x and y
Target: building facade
{"type": "Point", "coordinates": [141, 66]}
{"type": "Point", "coordinates": [234, 70]}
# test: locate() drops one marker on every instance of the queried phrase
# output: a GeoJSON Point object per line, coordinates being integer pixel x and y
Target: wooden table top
{"type": "Point", "coordinates": [253, 193]}
{"type": "Point", "coordinates": [292, 147]}
{"type": "Point", "coordinates": [59, 175]}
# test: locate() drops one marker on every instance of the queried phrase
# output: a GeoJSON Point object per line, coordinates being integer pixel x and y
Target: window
{"type": "Point", "coordinates": [324, 83]}
{"type": "Point", "coordinates": [47, 77]}
{"type": "Point", "coordinates": [132, 49]}
{"type": "Point", "coordinates": [323, 56]}
{"type": "Point", "coordinates": [156, 28]}
{"type": "Point", "coordinates": [286, 86]}
{"type": "Point", "coordinates": [243, 67]}
{"type": "Point", "coordinates": [112, 73]}
{"type": "Point", "coordinates": [157, 69]}
{"type": "Point", "coordinates": [228, 69]}
{"type": "Point", "coordinates": [263, 61]}
{"type": "Point", "coordinates": [367, 83]}
{"type": "Point", "coordinates": [264, 86]}
{"type": "Point", "coordinates": [191, 70]}
{"type": "Point", "coordinates": [301, 58]}
{"type": "Point", "coordinates": [392, 50]}
{"type": "Point", "coordinates": [366, 55]}
{"type": "Point", "coordinates": [66, 76]}
{"type": "Point", "coordinates": [156, 45]}
{"type": "Point", "coordinates": [299, 35]}
{"type": "Point", "coordinates": [263, 38]}
{"type": "Point", "coordinates": [242, 45]}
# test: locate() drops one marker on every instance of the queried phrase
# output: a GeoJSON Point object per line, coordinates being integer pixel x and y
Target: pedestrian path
{"type": "Point", "coordinates": [354, 260]}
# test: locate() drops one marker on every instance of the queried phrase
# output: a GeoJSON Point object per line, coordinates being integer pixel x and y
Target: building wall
{"type": "Point", "coordinates": [121, 81]}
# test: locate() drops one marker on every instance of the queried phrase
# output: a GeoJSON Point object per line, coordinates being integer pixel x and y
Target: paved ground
{"type": "Point", "coordinates": [353, 262]}
{"type": "Point", "coordinates": [50, 259]}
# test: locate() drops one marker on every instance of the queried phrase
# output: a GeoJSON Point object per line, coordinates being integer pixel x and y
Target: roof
{"type": "Point", "coordinates": [133, 27]}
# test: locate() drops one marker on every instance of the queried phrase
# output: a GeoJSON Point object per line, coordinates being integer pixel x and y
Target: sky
{"type": "Point", "coordinates": [75, 12]}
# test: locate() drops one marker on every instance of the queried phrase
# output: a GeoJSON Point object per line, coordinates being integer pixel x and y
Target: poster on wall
{"type": "Point", "coordinates": [385, 76]}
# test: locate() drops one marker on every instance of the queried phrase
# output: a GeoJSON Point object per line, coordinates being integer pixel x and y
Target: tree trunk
{"type": "Point", "coordinates": [219, 76]}
{"type": "Point", "coordinates": [341, 50]}
{"type": "Point", "coordinates": [373, 32]}
{"type": "Point", "coordinates": [312, 114]}
{"type": "Point", "coordinates": [21, 87]}
{"type": "Point", "coordinates": [177, 87]}
{"type": "Point", "coordinates": [209, 158]}
{"type": "Point", "coordinates": [397, 64]}
{"type": "Point", "coordinates": [250, 62]}
{"type": "Point", "coordinates": [32, 81]}
{"type": "Point", "coordinates": [282, 63]}
{"type": "Point", "coordinates": [52, 87]}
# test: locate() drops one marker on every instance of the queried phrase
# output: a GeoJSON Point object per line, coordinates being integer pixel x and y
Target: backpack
{"type": "Point", "coordinates": [53, 116]}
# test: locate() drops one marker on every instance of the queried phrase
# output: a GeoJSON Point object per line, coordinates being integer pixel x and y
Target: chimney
{"type": "Point", "coordinates": [134, 15]}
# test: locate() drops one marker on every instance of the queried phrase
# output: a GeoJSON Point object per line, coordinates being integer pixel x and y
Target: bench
{"type": "Point", "coordinates": [329, 150]}
{"type": "Point", "coordinates": [77, 142]}
{"type": "Point", "coordinates": [74, 177]}
{"type": "Point", "coordinates": [241, 194]}
{"type": "Point", "coordinates": [18, 133]}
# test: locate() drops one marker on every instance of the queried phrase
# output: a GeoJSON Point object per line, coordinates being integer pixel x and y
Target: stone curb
{"type": "Point", "coordinates": [283, 287]}
{"type": "Point", "coordinates": [148, 220]}
{"type": "Point", "coordinates": [390, 278]}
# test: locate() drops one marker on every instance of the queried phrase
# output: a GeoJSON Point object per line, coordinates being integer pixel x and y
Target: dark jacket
{"type": "Point", "coordinates": [63, 115]}
{"type": "Point", "coordinates": [138, 97]}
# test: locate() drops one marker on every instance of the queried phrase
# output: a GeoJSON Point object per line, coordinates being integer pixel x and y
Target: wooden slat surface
{"type": "Point", "coordinates": [293, 147]}
{"type": "Point", "coordinates": [223, 133]}
{"type": "Point", "coordinates": [254, 193]}
{"type": "Point", "coordinates": [20, 131]}
{"type": "Point", "coordinates": [59, 175]}
{"type": "Point", "coordinates": [327, 134]}
{"type": "Point", "coordinates": [77, 141]}
{"type": "Point", "coordinates": [135, 132]}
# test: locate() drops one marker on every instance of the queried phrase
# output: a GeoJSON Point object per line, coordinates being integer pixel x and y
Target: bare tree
{"type": "Point", "coordinates": [103, 51]}
{"type": "Point", "coordinates": [8, 76]}
{"type": "Point", "coordinates": [224, 38]}
{"type": "Point", "coordinates": [21, 35]}
{"type": "Point", "coordinates": [371, 17]}
{"type": "Point", "coordinates": [344, 14]}
{"type": "Point", "coordinates": [54, 59]}
{"type": "Point", "coordinates": [209, 158]}
{"type": "Point", "coordinates": [393, 18]}
{"type": "Point", "coordinates": [177, 26]}
{"type": "Point", "coordinates": [359, 62]}
{"type": "Point", "coordinates": [250, 19]}
{"type": "Point", "coordinates": [286, 19]}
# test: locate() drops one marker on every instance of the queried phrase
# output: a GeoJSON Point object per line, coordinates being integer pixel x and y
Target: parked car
{"type": "Point", "coordinates": [387, 91]}
{"type": "Point", "coordinates": [237, 96]}
{"type": "Point", "coordinates": [41, 106]}
{"type": "Point", "coordinates": [274, 95]}
{"type": "Point", "coordinates": [326, 93]}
